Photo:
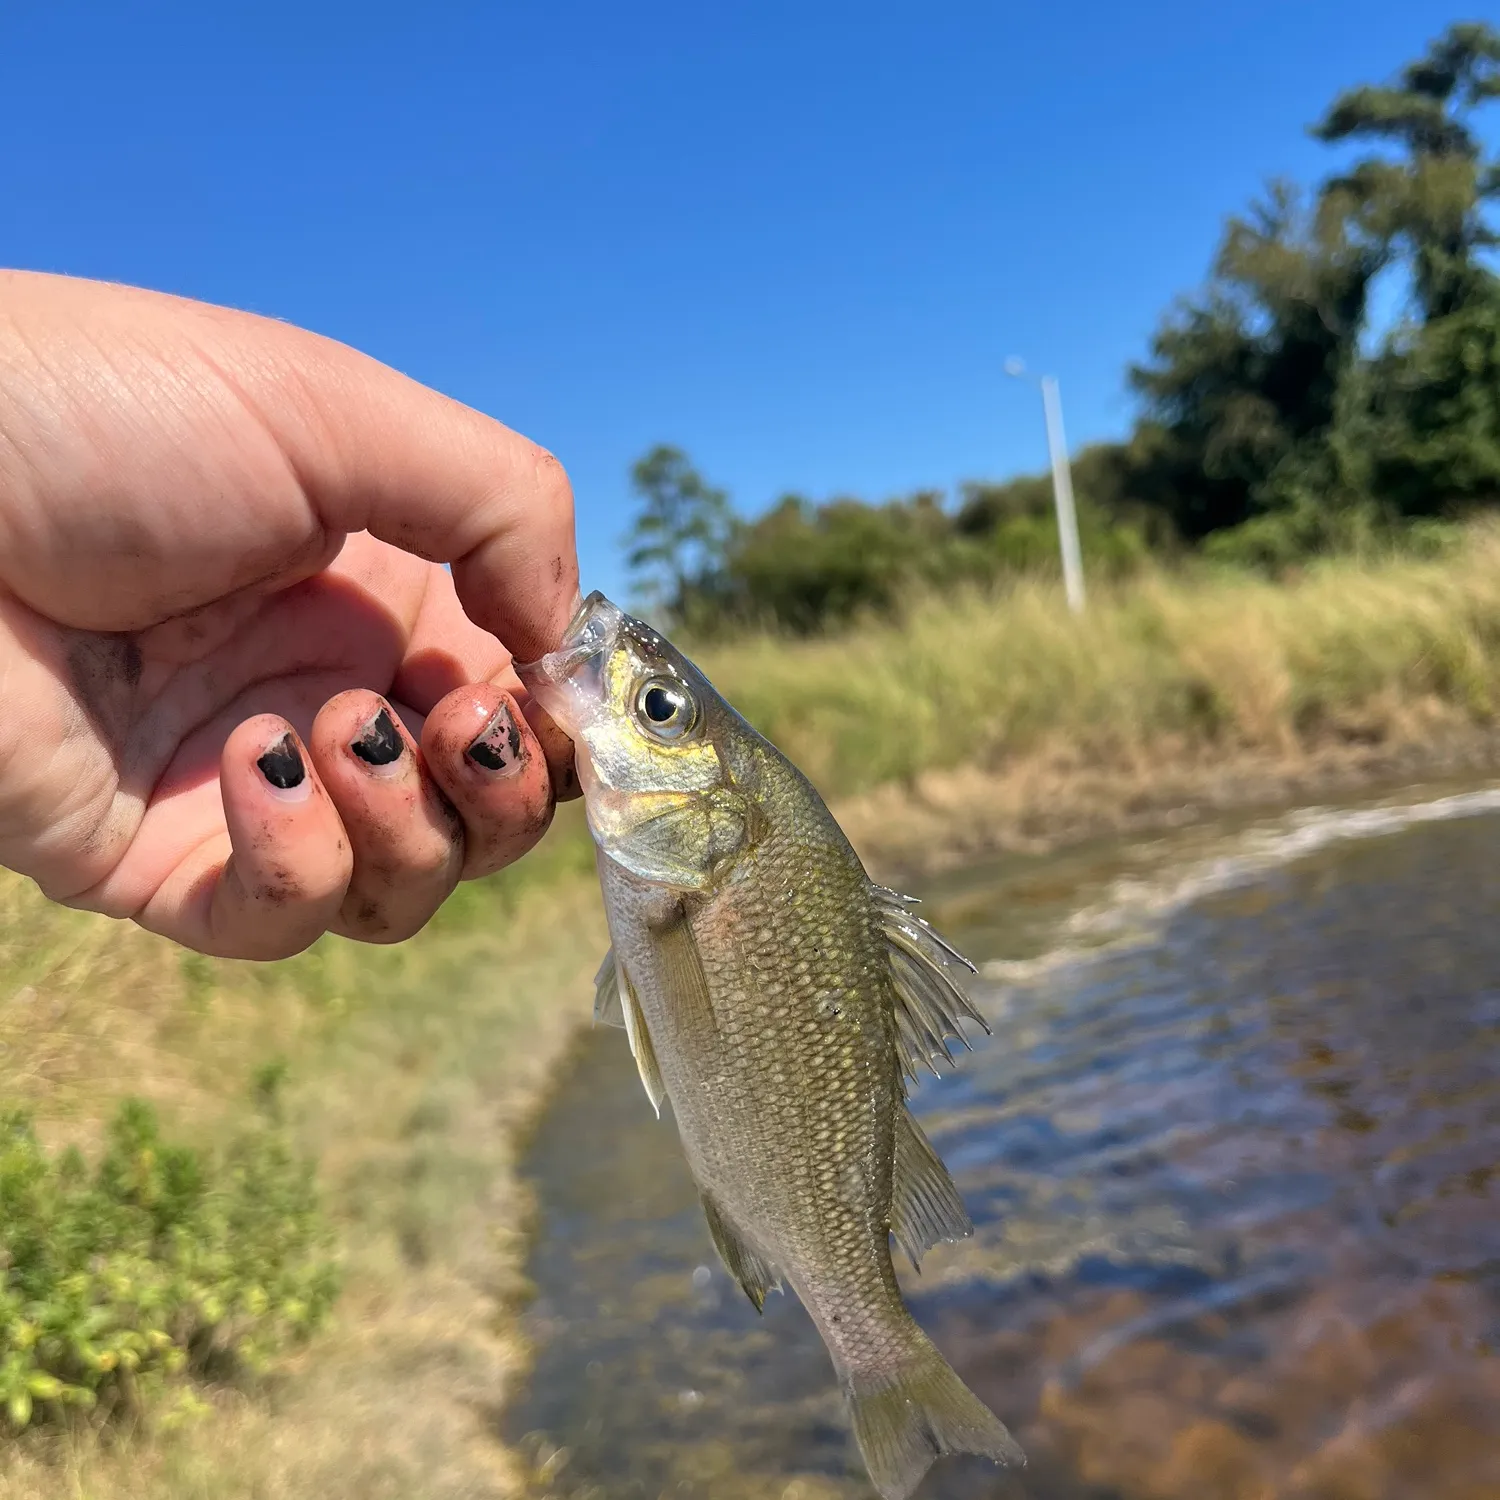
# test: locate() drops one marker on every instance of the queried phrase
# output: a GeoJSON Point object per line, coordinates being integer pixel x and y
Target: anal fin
{"type": "Point", "coordinates": [926, 1208]}
{"type": "Point", "coordinates": [746, 1265]}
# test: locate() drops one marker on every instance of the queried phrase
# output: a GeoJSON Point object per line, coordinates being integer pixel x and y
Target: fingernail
{"type": "Point", "coordinates": [499, 749]}
{"type": "Point", "coordinates": [379, 743]}
{"type": "Point", "coordinates": [282, 767]}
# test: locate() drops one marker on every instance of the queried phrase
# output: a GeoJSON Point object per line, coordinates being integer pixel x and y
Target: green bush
{"type": "Point", "coordinates": [165, 1262]}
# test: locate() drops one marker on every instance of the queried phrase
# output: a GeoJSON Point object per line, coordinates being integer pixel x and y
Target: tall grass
{"type": "Point", "coordinates": [1195, 662]}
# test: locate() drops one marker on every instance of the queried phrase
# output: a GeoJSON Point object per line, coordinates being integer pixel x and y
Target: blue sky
{"type": "Point", "coordinates": [798, 240]}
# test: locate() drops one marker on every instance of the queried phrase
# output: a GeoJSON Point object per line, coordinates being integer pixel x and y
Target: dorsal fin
{"type": "Point", "coordinates": [931, 1006]}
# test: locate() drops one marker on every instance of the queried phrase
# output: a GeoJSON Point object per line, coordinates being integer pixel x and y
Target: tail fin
{"type": "Point", "coordinates": [906, 1418]}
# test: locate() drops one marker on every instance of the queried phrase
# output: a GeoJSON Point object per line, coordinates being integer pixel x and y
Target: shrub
{"type": "Point", "coordinates": [164, 1263]}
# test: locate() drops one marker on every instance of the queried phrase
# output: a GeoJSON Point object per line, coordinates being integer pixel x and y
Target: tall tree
{"type": "Point", "coordinates": [1243, 384]}
{"type": "Point", "coordinates": [680, 533]}
{"type": "Point", "coordinates": [1435, 413]}
{"type": "Point", "coordinates": [1425, 197]}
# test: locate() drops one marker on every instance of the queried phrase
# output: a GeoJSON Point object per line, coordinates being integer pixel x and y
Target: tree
{"type": "Point", "coordinates": [802, 566]}
{"type": "Point", "coordinates": [1428, 201]}
{"type": "Point", "coordinates": [1243, 386]}
{"type": "Point", "coordinates": [1436, 435]}
{"type": "Point", "coordinates": [678, 540]}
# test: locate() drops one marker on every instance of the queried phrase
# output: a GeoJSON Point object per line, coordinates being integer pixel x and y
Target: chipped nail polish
{"type": "Point", "coordinates": [499, 749]}
{"type": "Point", "coordinates": [282, 767]}
{"type": "Point", "coordinates": [379, 743]}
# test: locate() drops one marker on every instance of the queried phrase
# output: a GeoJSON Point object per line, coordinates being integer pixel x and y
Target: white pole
{"type": "Point", "coordinates": [1062, 495]}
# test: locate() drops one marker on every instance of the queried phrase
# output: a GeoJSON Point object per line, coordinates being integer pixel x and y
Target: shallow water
{"type": "Point", "coordinates": [1233, 1155]}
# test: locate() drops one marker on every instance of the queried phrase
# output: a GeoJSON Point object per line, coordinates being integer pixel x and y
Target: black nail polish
{"type": "Point", "coordinates": [379, 742]}
{"type": "Point", "coordinates": [499, 748]}
{"type": "Point", "coordinates": [281, 765]}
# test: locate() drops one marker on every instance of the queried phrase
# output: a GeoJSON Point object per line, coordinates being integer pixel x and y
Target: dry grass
{"type": "Point", "coordinates": [1171, 665]}
{"type": "Point", "coordinates": [411, 1069]}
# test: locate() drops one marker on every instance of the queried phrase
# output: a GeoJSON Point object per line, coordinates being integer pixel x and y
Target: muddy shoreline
{"type": "Point", "coordinates": [1046, 803]}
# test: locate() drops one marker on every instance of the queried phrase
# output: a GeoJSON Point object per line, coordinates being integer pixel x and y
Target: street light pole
{"type": "Point", "coordinates": [1062, 486]}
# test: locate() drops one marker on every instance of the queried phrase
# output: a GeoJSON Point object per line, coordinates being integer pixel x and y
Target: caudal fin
{"type": "Point", "coordinates": [907, 1418]}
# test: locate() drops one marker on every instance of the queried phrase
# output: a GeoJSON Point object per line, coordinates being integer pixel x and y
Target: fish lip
{"type": "Point", "coordinates": [578, 644]}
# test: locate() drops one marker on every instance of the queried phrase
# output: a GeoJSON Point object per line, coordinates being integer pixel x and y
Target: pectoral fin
{"type": "Point", "coordinates": [635, 1033]}
{"type": "Point", "coordinates": [931, 1005]}
{"type": "Point", "coordinates": [747, 1266]}
{"type": "Point", "coordinates": [609, 1009]}
{"type": "Point", "coordinates": [683, 982]}
{"type": "Point", "coordinates": [926, 1209]}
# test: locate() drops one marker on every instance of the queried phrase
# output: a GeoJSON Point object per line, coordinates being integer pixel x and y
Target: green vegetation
{"type": "Point", "coordinates": [165, 1260]}
{"type": "Point", "coordinates": [404, 1073]}
{"type": "Point", "coordinates": [802, 567]}
{"type": "Point", "coordinates": [1276, 422]}
{"type": "Point", "coordinates": [1198, 661]}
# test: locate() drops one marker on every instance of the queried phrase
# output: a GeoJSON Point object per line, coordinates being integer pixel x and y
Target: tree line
{"type": "Point", "coordinates": [1274, 421]}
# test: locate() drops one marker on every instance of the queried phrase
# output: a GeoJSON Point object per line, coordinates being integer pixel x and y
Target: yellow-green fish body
{"type": "Point", "coordinates": [778, 999]}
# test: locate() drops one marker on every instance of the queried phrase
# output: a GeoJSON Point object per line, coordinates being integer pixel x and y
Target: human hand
{"type": "Point", "coordinates": [221, 542]}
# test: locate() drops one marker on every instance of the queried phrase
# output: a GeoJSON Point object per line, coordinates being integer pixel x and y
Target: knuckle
{"type": "Point", "coordinates": [504, 839]}
{"type": "Point", "coordinates": [429, 861]}
{"type": "Point", "coordinates": [555, 489]}
{"type": "Point", "coordinates": [268, 944]}
{"type": "Point", "coordinates": [367, 919]}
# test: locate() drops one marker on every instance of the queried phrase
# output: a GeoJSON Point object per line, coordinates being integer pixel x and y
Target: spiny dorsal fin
{"type": "Point", "coordinates": [640, 1041]}
{"type": "Point", "coordinates": [608, 1009]}
{"type": "Point", "coordinates": [926, 1209]}
{"type": "Point", "coordinates": [931, 1006]}
{"type": "Point", "coordinates": [753, 1273]}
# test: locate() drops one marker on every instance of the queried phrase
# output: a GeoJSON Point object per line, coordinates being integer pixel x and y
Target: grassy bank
{"type": "Point", "coordinates": [1204, 659]}
{"type": "Point", "coordinates": [981, 720]}
{"type": "Point", "coordinates": [408, 1073]}
{"type": "Point", "coordinates": [970, 722]}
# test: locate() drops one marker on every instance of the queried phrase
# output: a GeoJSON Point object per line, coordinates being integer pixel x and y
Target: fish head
{"type": "Point", "coordinates": [668, 769]}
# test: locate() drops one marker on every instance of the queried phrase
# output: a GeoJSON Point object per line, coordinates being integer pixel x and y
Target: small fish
{"type": "Point", "coordinates": [781, 1001]}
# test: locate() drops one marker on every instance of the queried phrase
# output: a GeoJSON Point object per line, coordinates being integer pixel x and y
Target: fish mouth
{"type": "Point", "coordinates": [591, 632]}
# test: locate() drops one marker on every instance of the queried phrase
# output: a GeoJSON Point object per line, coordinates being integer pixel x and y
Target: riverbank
{"type": "Point", "coordinates": [410, 1075]}
{"type": "Point", "coordinates": [943, 820]}
{"type": "Point", "coordinates": [981, 723]}
{"type": "Point", "coordinates": [973, 725]}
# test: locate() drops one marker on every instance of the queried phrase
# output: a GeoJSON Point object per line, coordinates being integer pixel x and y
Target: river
{"type": "Point", "coordinates": [1233, 1157]}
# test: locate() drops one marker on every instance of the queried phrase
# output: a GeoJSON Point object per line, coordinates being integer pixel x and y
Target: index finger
{"type": "Point", "coordinates": [378, 452]}
{"type": "Point", "coordinates": [306, 440]}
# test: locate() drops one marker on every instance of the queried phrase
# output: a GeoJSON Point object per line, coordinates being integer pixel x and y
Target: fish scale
{"type": "Point", "coordinates": [778, 999]}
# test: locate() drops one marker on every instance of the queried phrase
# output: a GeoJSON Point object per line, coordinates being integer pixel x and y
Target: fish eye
{"type": "Point", "coordinates": [665, 708]}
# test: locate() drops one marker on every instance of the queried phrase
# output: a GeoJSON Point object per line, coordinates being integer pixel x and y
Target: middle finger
{"type": "Point", "coordinates": [406, 839]}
